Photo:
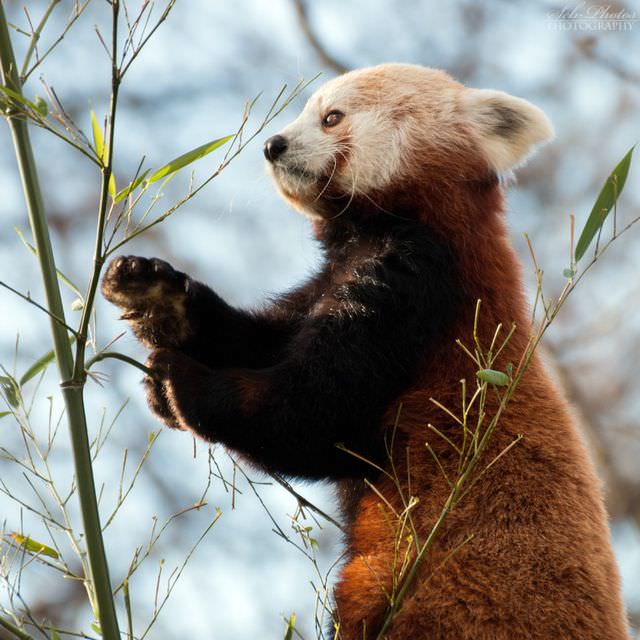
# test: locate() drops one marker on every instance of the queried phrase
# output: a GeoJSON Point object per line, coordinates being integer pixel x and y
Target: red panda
{"type": "Point", "coordinates": [398, 166]}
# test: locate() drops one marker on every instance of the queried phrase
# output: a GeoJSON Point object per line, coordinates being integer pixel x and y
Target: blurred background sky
{"type": "Point", "coordinates": [189, 86]}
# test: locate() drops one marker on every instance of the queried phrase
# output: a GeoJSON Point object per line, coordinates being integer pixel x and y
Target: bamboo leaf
{"type": "Point", "coordinates": [493, 377]}
{"type": "Point", "coordinates": [41, 106]}
{"type": "Point", "coordinates": [112, 186]}
{"type": "Point", "coordinates": [131, 186]}
{"type": "Point", "coordinates": [33, 546]}
{"type": "Point", "coordinates": [3, 414]}
{"type": "Point", "coordinates": [607, 198]}
{"type": "Point", "coordinates": [37, 367]}
{"type": "Point", "coordinates": [290, 627]}
{"type": "Point", "coordinates": [40, 364]}
{"type": "Point", "coordinates": [11, 390]}
{"type": "Point", "coordinates": [127, 606]}
{"type": "Point", "coordinates": [18, 98]}
{"type": "Point", "coordinates": [187, 158]}
{"type": "Point", "coordinates": [102, 151]}
{"type": "Point", "coordinates": [98, 139]}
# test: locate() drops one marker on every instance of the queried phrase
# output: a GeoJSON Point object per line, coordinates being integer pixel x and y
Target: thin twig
{"type": "Point", "coordinates": [27, 297]}
{"type": "Point", "coordinates": [104, 355]}
{"type": "Point", "coordinates": [303, 502]}
{"type": "Point", "coordinates": [35, 37]}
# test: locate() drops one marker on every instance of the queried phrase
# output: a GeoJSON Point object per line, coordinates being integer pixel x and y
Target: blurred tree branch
{"type": "Point", "coordinates": [588, 46]}
{"type": "Point", "coordinates": [303, 20]}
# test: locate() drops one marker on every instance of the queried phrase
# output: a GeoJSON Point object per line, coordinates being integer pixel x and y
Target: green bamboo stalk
{"type": "Point", "coordinates": [9, 626]}
{"type": "Point", "coordinates": [72, 388]}
{"type": "Point", "coordinates": [98, 255]}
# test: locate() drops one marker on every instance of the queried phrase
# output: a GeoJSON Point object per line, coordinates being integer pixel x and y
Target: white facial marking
{"type": "Point", "coordinates": [401, 122]}
{"type": "Point", "coordinates": [360, 154]}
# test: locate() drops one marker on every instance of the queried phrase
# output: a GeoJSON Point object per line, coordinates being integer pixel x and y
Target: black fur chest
{"type": "Point", "coordinates": [347, 271]}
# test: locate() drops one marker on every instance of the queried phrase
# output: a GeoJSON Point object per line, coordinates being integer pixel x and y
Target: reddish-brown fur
{"type": "Point", "coordinates": [540, 565]}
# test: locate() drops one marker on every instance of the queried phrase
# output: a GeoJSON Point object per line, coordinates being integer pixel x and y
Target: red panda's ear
{"type": "Point", "coordinates": [507, 128]}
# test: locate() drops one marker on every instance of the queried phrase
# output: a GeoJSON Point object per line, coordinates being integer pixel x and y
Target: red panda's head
{"type": "Point", "coordinates": [394, 128]}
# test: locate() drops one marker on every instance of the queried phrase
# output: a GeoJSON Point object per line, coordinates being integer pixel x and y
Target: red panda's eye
{"type": "Point", "coordinates": [332, 118]}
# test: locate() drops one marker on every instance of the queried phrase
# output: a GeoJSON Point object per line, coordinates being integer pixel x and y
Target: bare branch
{"type": "Point", "coordinates": [316, 45]}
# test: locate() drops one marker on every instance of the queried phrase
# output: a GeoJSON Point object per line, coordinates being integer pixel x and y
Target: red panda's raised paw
{"type": "Point", "coordinates": [170, 392]}
{"type": "Point", "coordinates": [153, 297]}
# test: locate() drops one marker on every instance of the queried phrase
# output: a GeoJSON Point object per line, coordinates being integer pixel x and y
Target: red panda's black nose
{"type": "Point", "coordinates": [274, 147]}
